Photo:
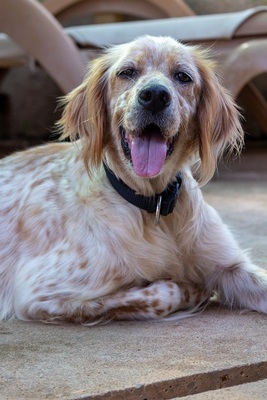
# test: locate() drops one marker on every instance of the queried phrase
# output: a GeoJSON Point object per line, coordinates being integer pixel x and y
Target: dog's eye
{"type": "Point", "coordinates": [127, 73]}
{"type": "Point", "coordinates": [182, 77]}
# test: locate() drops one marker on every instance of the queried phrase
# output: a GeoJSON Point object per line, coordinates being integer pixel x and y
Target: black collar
{"type": "Point", "coordinates": [162, 203]}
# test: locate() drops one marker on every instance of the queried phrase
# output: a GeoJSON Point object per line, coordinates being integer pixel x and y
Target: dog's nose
{"type": "Point", "coordinates": [154, 98]}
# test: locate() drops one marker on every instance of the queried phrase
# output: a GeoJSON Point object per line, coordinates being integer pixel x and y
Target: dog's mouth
{"type": "Point", "coordinates": [148, 150]}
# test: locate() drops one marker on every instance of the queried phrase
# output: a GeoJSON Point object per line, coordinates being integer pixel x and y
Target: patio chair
{"type": "Point", "coordinates": [65, 10]}
{"type": "Point", "coordinates": [35, 32]}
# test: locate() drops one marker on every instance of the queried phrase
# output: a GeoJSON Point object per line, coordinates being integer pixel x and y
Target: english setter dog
{"type": "Point", "coordinates": [114, 225]}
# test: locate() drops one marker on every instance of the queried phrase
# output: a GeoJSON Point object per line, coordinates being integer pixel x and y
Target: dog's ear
{"type": "Point", "coordinates": [85, 116]}
{"type": "Point", "coordinates": [218, 121]}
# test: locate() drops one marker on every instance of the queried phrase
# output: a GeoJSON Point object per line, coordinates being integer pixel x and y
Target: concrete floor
{"type": "Point", "coordinates": [220, 354]}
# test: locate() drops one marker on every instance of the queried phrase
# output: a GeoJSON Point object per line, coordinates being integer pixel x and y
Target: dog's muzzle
{"type": "Point", "coordinates": [149, 144]}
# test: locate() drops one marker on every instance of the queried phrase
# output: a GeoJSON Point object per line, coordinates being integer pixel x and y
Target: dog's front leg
{"type": "Point", "coordinates": [242, 285]}
{"type": "Point", "coordinates": [158, 300]}
{"type": "Point", "coordinates": [227, 269]}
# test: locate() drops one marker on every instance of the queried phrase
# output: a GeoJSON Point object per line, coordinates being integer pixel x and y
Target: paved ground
{"type": "Point", "coordinates": [220, 354]}
{"type": "Point", "coordinates": [247, 391]}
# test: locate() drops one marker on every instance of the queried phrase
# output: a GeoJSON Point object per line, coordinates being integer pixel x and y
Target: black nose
{"type": "Point", "coordinates": [154, 98]}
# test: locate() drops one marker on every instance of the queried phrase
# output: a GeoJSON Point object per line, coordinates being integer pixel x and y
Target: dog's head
{"type": "Point", "coordinates": [150, 106]}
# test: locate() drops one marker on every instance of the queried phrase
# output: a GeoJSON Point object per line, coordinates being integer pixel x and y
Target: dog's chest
{"type": "Point", "coordinates": [130, 241]}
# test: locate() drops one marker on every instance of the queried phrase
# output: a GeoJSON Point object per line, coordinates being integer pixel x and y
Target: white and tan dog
{"type": "Point", "coordinates": [114, 226]}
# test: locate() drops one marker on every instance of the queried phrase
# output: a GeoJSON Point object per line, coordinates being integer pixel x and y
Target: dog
{"type": "Point", "coordinates": [112, 225]}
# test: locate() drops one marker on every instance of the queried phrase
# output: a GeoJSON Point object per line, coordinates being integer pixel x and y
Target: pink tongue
{"type": "Point", "coordinates": [148, 154]}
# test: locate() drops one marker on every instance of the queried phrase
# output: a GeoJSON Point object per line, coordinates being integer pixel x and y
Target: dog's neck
{"type": "Point", "coordinates": [160, 204]}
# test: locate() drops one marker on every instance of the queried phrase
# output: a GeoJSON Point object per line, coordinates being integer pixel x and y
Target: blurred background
{"type": "Point", "coordinates": [28, 94]}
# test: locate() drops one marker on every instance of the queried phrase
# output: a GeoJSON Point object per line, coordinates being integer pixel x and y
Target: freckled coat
{"type": "Point", "coordinates": [71, 248]}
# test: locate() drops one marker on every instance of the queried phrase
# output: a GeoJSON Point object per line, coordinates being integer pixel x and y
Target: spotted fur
{"type": "Point", "coordinates": [72, 249]}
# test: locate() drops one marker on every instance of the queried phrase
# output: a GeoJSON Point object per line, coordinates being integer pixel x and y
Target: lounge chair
{"type": "Point", "coordinates": [64, 10]}
{"type": "Point", "coordinates": [35, 32]}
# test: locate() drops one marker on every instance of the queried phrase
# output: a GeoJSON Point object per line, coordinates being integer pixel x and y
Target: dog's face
{"type": "Point", "coordinates": [150, 106]}
{"type": "Point", "coordinates": [153, 91]}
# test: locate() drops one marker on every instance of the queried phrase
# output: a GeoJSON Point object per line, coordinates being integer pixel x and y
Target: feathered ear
{"type": "Point", "coordinates": [85, 115]}
{"type": "Point", "coordinates": [219, 127]}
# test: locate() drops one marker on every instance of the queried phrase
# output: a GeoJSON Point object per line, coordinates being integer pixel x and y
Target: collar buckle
{"type": "Point", "coordinates": [158, 210]}
{"type": "Point", "coordinates": [160, 204]}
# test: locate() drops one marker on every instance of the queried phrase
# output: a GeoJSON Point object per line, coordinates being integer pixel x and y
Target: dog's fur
{"type": "Point", "coordinates": [72, 249]}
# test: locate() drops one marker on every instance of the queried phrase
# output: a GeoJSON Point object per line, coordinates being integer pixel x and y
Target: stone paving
{"type": "Point", "coordinates": [220, 354]}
